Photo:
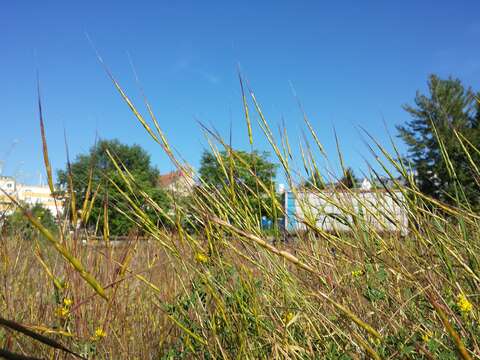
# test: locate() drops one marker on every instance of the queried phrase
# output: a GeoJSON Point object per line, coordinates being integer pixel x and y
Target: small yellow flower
{"type": "Point", "coordinates": [356, 273]}
{"type": "Point", "coordinates": [427, 336]}
{"type": "Point", "coordinates": [67, 302]}
{"type": "Point", "coordinates": [201, 258]}
{"type": "Point", "coordinates": [62, 312]}
{"type": "Point", "coordinates": [99, 334]}
{"type": "Point", "coordinates": [464, 305]}
{"type": "Point", "coordinates": [289, 317]}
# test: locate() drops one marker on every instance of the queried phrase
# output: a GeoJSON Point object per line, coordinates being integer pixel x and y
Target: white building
{"type": "Point", "coordinates": [179, 182]}
{"type": "Point", "coordinates": [337, 209]}
{"type": "Point", "coordinates": [28, 194]}
{"type": "Point", "coordinates": [7, 186]}
{"type": "Point", "coordinates": [32, 195]}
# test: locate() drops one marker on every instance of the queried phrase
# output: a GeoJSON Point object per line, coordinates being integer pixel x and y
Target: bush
{"type": "Point", "coordinates": [17, 225]}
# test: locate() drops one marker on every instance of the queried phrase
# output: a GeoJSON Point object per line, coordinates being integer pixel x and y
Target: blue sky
{"type": "Point", "coordinates": [352, 63]}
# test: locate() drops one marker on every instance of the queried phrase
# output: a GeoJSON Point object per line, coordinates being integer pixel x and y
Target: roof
{"type": "Point", "coordinates": [170, 178]}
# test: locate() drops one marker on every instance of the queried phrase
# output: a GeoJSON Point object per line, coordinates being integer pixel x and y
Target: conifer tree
{"type": "Point", "coordinates": [447, 107]}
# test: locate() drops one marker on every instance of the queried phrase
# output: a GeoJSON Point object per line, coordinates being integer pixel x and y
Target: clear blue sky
{"type": "Point", "coordinates": [353, 63]}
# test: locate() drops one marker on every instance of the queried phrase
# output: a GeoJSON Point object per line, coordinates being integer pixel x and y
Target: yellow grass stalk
{"type": "Point", "coordinates": [52, 277]}
{"type": "Point", "coordinates": [46, 159]}
{"type": "Point", "coordinates": [462, 350]}
{"type": "Point", "coordinates": [245, 107]}
{"type": "Point", "coordinates": [72, 260]}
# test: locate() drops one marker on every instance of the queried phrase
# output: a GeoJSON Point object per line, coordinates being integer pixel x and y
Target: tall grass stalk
{"type": "Point", "coordinates": [211, 283]}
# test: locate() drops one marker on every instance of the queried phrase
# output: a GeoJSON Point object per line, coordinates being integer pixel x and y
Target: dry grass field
{"type": "Point", "coordinates": [212, 286]}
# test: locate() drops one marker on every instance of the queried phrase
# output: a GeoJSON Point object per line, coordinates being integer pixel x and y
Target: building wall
{"type": "Point", "coordinates": [33, 195]}
{"type": "Point", "coordinates": [333, 210]}
{"type": "Point", "coordinates": [8, 185]}
{"type": "Point", "coordinates": [6, 206]}
{"type": "Point", "coordinates": [182, 186]}
{"type": "Point", "coordinates": [28, 194]}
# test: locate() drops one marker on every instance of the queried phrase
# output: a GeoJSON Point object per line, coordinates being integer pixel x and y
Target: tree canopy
{"type": "Point", "coordinates": [348, 180]}
{"type": "Point", "coordinates": [17, 223]}
{"type": "Point", "coordinates": [243, 162]}
{"type": "Point", "coordinates": [314, 181]}
{"type": "Point", "coordinates": [97, 164]}
{"type": "Point", "coordinates": [430, 134]}
{"type": "Point", "coordinates": [246, 170]}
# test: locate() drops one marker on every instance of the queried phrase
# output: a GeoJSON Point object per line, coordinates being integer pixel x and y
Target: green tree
{"type": "Point", "coordinates": [349, 180]}
{"type": "Point", "coordinates": [239, 166]}
{"type": "Point", "coordinates": [449, 106]}
{"type": "Point", "coordinates": [314, 181]}
{"type": "Point", "coordinates": [97, 163]}
{"type": "Point", "coordinates": [17, 224]}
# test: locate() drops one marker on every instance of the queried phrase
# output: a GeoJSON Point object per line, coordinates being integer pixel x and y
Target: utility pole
{"type": "Point", "coordinates": [7, 154]}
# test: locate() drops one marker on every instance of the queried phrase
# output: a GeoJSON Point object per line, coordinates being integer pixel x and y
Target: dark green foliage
{"type": "Point", "coordinates": [239, 166]}
{"type": "Point", "coordinates": [348, 180]}
{"type": "Point", "coordinates": [449, 106]}
{"type": "Point", "coordinates": [229, 322]}
{"type": "Point", "coordinates": [314, 181]}
{"type": "Point", "coordinates": [136, 160]}
{"type": "Point", "coordinates": [212, 173]}
{"type": "Point", "coordinates": [18, 224]}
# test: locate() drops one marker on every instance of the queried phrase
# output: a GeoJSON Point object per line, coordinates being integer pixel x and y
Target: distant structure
{"type": "Point", "coordinates": [380, 206]}
{"type": "Point", "coordinates": [7, 186]}
{"type": "Point", "coordinates": [179, 182]}
{"type": "Point", "coordinates": [27, 194]}
{"type": "Point", "coordinates": [6, 155]}
{"type": "Point", "coordinates": [366, 185]}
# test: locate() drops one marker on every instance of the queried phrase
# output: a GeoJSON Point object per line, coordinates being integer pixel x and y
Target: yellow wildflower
{"type": "Point", "coordinates": [356, 273]}
{"type": "Point", "coordinates": [62, 312]}
{"type": "Point", "coordinates": [464, 305]}
{"type": "Point", "coordinates": [99, 334]}
{"type": "Point", "coordinates": [201, 258]}
{"type": "Point", "coordinates": [427, 336]}
{"type": "Point", "coordinates": [67, 302]}
{"type": "Point", "coordinates": [289, 317]}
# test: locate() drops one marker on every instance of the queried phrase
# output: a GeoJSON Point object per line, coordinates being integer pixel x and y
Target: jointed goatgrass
{"type": "Point", "coordinates": [216, 287]}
